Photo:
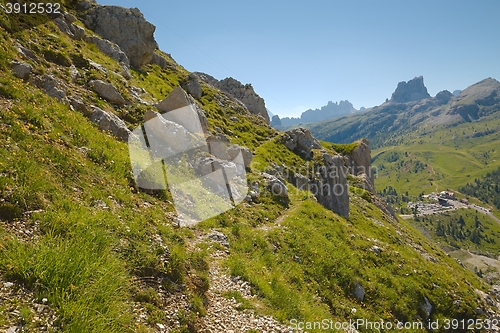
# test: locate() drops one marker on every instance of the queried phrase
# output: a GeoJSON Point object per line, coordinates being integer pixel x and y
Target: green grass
{"type": "Point", "coordinates": [306, 268]}
{"type": "Point", "coordinates": [452, 158]}
{"type": "Point", "coordinates": [57, 170]}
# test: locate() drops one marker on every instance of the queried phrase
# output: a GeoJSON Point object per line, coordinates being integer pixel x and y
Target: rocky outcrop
{"type": "Point", "coordinates": [65, 23]}
{"type": "Point", "coordinates": [412, 90]}
{"type": "Point", "coordinates": [329, 185]}
{"type": "Point", "coordinates": [193, 86]}
{"type": "Point", "coordinates": [127, 28]}
{"type": "Point", "coordinates": [110, 49]}
{"type": "Point", "coordinates": [358, 163]}
{"type": "Point", "coordinates": [276, 185]}
{"type": "Point", "coordinates": [327, 180]}
{"type": "Point", "coordinates": [51, 85]}
{"type": "Point", "coordinates": [159, 60]}
{"type": "Point", "coordinates": [243, 93]}
{"type": "Point", "coordinates": [110, 122]}
{"type": "Point", "coordinates": [107, 91]}
{"type": "Point", "coordinates": [21, 70]}
{"type": "Point", "coordinates": [247, 155]}
{"type": "Point", "coordinates": [301, 141]}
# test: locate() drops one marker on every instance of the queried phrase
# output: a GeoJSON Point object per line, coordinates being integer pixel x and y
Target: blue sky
{"type": "Point", "coordinates": [302, 54]}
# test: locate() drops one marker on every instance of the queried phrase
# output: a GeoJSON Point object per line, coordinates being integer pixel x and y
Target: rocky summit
{"type": "Point", "coordinates": [412, 90]}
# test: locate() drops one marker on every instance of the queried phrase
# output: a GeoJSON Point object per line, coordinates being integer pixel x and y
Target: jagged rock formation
{"type": "Point", "coordinates": [380, 123]}
{"type": "Point", "coordinates": [327, 180]}
{"type": "Point", "coordinates": [331, 110]}
{"type": "Point", "coordinates": [301, 141]}
{"type": "Point", "coordinates": [275, 121]}
{"type": "Point", "coordinates": [358, 163]}
{"type": "Point", "coordinates": [412, 90]}
{"type": "Point", "coordinates": [127, 28]}
{"type": "Point", "coordinates": [244, 93]}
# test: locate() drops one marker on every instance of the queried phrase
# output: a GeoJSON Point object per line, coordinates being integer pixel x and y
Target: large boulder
{"type": "Point", "coordinates": [110, 123]}
{"type": "Point", "coordinates": [127, 28]}
{"type": "Point", "coordinates": [21, 70]}
{"type": "Point", "coordinates": [412, 90]}
{"type": "Point", "coordinates": [193, 86]}
{"type": "Point", "coordinates": [107, 91]}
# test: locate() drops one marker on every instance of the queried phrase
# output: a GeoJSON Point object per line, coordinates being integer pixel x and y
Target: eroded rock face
{"type": "Point", "coordinates": [329, 185]}
{"type": "Point", "coordinates": [412, 90]}
{"type": "Point", "coordinates": [245, 94]}
{"type": "Point", "coordinates": [301, 141]}
{"type": "Point", "coordinates": [126, 27]}
{"type": "Point", "coordinates": [358, 163]}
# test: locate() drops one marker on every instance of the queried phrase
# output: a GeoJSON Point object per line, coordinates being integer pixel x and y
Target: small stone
{"type": "Point", "coordinates": [8, 284]}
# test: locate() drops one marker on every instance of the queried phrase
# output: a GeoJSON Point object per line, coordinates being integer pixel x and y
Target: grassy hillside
{"type": "Point", "coordinates": [435, 159]}
{"type": "Point", "coordinates": [105, 257]}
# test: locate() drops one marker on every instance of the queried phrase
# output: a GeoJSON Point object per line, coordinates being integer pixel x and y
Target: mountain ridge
{"type": "Point", "coordinates": [380, 123]}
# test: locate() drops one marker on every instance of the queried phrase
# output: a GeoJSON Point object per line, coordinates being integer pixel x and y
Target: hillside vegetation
{"type": "Point", "coordinates": [83, 249]}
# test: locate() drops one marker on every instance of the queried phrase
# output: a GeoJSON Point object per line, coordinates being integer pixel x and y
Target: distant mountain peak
{"type": "Point", "coordinates": [412, 90]}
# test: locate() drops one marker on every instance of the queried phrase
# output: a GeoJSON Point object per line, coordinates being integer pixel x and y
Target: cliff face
{"type": "Point", "coordinates": [412, 90]}
{"type": "Point", "coordinates": [127, 28]}
{"type": "Point", "coordinates": [358, 163]}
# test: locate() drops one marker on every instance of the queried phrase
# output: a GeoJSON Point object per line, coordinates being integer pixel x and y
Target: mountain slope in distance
{"type": "Point", "coordinates": [384, 124]}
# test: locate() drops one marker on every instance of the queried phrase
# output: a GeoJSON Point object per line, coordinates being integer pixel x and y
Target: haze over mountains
{"type": "Point", "coordinates": [331, 110]}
